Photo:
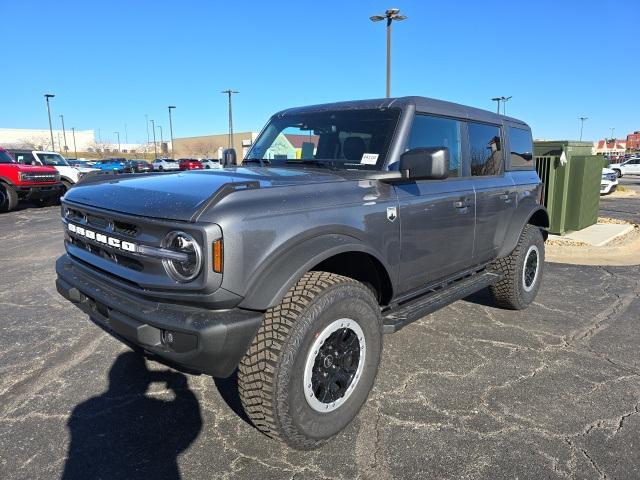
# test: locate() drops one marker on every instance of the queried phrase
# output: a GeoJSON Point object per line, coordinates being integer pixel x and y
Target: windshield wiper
{"type": "Point", "coordinates": [261, 161]}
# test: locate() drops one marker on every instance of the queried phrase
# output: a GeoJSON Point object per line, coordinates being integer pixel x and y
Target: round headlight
{"type": "Point", "coordinates": [182, 271]}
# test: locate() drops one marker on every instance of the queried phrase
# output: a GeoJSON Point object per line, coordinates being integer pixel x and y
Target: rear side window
{"type": "Point", "coordinates": [485, 149]}
{"type": "Point", "coordinates": [428, 131]}
{"type": "Point", "coordinates": [521, 148]}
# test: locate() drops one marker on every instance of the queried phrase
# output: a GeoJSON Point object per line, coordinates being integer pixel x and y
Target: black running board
{"type": "Point", "coordinates": [404, 314]}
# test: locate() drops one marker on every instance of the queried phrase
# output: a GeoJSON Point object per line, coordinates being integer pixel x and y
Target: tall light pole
{"type": "Point", "coordinates": [73, 129]}
{"type": "Point", "coordinates": [126, 135]}
{"type": "Point", "coordinates": [390, 15]}
{"type": "Point", "coordinates": [612, 130]}
{"type": "Point", "coordinates": [161, 140]}
{"type": "Point", "coordinates": [118, 134]}
{"type": "Point", "coordinates": [171, 107]}
{"type": "Point", "coordinates": [230, 92]}
{"type": "Point", "coordinates": [582, 119]}
{"type": "Point", "coordinates": [47, 96]}
{"type": "Point", "coordinates": [497, 99]}
{"type": "Point", "coordinates": [64, 134]}
{"type": "Point", "coordinates": [155, 147]}
{"type": "Point", "coordinates": [504, 104]}
{"type": "Point", "coordinates": [146, 121]}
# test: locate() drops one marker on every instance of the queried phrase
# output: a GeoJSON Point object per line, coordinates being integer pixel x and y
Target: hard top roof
{"type": "Point", "coordinates": [422, 104]}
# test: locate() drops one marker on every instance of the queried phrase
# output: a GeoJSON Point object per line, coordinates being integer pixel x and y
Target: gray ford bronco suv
{"type": "Point", "coordinates": [344, 222]}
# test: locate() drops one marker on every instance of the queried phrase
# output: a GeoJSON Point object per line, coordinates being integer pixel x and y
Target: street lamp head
{"type": "Point", "coordinates": [171, 106]}
{"type": "Point", "coordinates": [400, 17]}
{"type": "Point", "coordinates": [376, 18]}
{"type": "Point", "coordinates": [392, 11]}
{"type": "Point", "coordinates": [496, 99]}
{"type": "Point", "coordinates": [48, 95]}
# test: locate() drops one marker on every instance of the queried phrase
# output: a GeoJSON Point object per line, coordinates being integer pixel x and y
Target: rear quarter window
{"type": "Point", "coordinates": [521, 148]}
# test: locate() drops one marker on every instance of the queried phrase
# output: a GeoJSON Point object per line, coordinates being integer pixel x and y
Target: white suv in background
{"type": "Point", "coordinates": [211, 163]}
{"type": "Point", "coordinates": [162, 164]}
{"type": "Point", "coordinates": [628, 167]}
{"type": "Point", "coordinates": [68, 175]}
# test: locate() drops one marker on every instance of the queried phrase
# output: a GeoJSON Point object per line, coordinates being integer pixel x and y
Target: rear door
{"type": "Point", "coordinates": [633, 167]}
{"type": "Point", "coordinates": [437, 216]}
{"type": "Point", "coordinates": [495, 191]}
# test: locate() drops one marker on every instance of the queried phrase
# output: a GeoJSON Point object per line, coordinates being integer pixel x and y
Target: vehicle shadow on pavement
{"type": "Point", "coordinates": [481, 297]}
{"type": "Point", "coordinates": [125, 433]}
{"type": "Point", "coordinates": [228, 390]}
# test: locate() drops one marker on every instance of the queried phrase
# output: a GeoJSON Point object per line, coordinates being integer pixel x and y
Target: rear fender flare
{"type": "Point", "coordinates": [532, 214]}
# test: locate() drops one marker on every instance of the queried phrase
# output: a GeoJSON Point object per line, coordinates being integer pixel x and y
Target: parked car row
{"type": "Point", "coordinates": [630, 166]}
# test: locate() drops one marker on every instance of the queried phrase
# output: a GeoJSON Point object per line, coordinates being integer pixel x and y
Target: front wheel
{"type": "Point", "coordinates": [8, 198]}
{"type": "Point", "coordinates": [521, 270]}
{"type": "Point", "coordinates": [313, 361]}
{"type": "Point", "coordinates": [618, 172]}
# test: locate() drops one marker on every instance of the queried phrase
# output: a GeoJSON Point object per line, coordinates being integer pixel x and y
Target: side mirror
{"type": "Point", "coordinates": [528, 156]}
{"type": "Point", "coordinates": [425, 163]}
{"type": "Point", "coordinates": [229, 157]}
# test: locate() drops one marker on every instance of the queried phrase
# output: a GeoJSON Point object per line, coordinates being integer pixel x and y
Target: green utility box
{"type": "Point", "coordinates": [572, 190]}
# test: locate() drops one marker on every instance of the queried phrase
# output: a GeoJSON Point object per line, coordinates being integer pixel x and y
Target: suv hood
{"type": "Point", "coordinates": [178, 196]}
{"type": "Point", "coordinates": [31, 168]}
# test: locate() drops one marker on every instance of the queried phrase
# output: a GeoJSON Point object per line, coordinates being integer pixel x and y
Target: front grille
{"type": "Point", "coordinates": [125, 228]}
{"type": "Point", "coordinates": [39, 177]}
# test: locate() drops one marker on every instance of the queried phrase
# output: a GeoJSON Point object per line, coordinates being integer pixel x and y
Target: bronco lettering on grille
{"type": "Point", "coordinates": [102, 238]}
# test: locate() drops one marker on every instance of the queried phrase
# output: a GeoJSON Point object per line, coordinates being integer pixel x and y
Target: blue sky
{"type": "Point", "coordinates": [110, 63]}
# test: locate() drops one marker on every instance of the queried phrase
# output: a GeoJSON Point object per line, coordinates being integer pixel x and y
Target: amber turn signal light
{"type": "Point", "coordinates": [216, 250]}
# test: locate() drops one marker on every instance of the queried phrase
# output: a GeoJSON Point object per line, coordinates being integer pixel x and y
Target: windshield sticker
{"type": "Point", "coordinates": [369, 159]}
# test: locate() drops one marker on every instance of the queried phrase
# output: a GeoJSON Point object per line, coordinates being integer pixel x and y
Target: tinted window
{"type": "Point", "coordinates": [5, 157]}
{"type": "Point", "coordinates": [25, 157]}
{"type": "Point", "coordinates": [485, 149]}
{"type": "Point", "coordinates": [429, 131]}
{"type": "Point", "coordinates": [520, 143]}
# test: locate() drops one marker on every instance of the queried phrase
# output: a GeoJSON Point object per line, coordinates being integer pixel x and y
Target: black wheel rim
{"type": "Point", "coordinates": [335, 366]}
{"type": "Point", "coordinates": [530, 268]}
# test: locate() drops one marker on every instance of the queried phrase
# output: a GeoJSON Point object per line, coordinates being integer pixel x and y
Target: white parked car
{"type": "Point", "coordinates": [628, 167]}
{"type": "Point", "coordinates": [609, 181]}
{"type": "Point", "coordinates": [211, 163]}
{"type": "Point", "coordinates": [165, 164]}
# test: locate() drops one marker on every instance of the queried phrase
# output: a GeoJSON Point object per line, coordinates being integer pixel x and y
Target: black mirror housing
{"type": "Point", "coordinates": [229, 157]}
{"type": "Point", "coordinates": [425, 163]}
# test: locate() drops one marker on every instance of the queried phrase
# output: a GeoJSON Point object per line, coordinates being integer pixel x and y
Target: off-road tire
{"type": "Point", "coordinates": [510, 292]}
{"type": "Point", "coordinates": [8, 198]}
{"type": "Point", "coordinates": [270, 376]}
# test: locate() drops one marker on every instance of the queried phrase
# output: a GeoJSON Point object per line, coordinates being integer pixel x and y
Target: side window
{"type": "Point", "coordinates": [521, 148]}
{"type": "Point", "coordinates": [428, 131]}
{"type": "Point", "coordinates": [485, 149]}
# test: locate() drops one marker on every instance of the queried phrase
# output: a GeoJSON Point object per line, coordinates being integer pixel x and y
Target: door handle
{"type": "Point", "coordinates": [459, 204]}
{"type": "Point", "coordinates": [505, 197]}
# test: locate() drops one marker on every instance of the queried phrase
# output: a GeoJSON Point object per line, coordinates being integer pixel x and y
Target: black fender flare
{"type": "Point", "coordinates": [270, 284]}
{"type": "Point", "coordinates": [531, 214]}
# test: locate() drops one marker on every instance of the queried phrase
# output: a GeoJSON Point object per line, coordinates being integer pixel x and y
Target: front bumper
{"type": "Point", "coordinates": [35, 192]}
{"type": "Point", "coordinates": [191, 338]}
{"type": "Point", "coordinates": [607, 187]}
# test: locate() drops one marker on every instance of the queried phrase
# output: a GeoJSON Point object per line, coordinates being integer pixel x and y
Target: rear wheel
{"type": "Point", "coordinates": [313, 361]}
{"type": "Point", "coordinates": [8, 198]}
{"type": "Point", "coordinates": [522, 271]}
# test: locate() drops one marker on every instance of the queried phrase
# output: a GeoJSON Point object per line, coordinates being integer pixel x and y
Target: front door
{"type": "Point", "coordinates": [437, 217]}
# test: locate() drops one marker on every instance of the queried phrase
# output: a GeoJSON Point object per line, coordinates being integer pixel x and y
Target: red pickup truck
{"type": "Point", "coordinates": [26, 182]}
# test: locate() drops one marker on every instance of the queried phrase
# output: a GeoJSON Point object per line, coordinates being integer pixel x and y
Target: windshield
{"type": "Point", "coordinates": [345, 139]}
{"type": "Point", "coordinates": [52, 159]}
{"type": "Point", "coordinates": [5, 157]}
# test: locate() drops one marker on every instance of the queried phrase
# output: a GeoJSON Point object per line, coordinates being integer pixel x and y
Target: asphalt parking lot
{"type": "Point", "coordinates": [471, 391]}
